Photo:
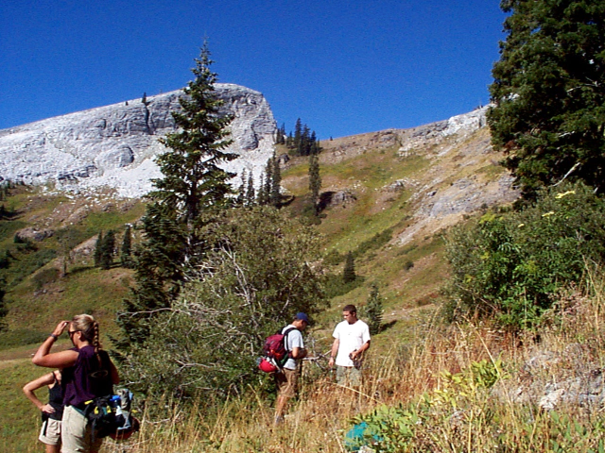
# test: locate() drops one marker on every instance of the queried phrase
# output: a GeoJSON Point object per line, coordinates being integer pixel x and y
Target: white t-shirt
{"type": "Point", "coordinates": [351, 337]}
{"type": "Point", "coordinates": [293, 339]}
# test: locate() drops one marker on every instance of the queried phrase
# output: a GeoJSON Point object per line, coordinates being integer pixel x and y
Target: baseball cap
{"type": "Point", "coordinates": [303, 317]}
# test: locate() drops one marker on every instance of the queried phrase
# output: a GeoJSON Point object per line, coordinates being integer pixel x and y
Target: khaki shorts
{"type": "Point", "coordinates": [76, 434]}
{"type": "Point", "coordinates": [287, 381]}
{"type": "Point", "coordinates": [348, 375]}
{"type": "Point", "coordinates": [50, 434]}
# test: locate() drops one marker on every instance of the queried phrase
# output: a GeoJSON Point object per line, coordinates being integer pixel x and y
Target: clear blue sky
{"type": "Point", "coordinates": [343, 67]}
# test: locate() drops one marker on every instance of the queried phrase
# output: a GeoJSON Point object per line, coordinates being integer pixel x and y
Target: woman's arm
{"type": "Point", "coordinates": [34, 385]}
{"type": "Point", "coordinates": [63, 359]}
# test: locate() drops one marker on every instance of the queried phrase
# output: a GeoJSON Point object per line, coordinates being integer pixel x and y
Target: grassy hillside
{"type": "Point", "coordinates": [391, 186]}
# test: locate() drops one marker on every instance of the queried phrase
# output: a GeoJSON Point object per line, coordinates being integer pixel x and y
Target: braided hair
{"type": "Point", "coordinates": [89, 328]}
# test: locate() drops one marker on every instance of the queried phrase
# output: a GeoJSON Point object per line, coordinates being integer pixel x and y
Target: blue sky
{"type": "Point", "coordinates": [343, 67]}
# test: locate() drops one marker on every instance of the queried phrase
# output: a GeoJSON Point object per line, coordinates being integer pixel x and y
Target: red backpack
{"type": "Point", "coordinates": [275, 351]}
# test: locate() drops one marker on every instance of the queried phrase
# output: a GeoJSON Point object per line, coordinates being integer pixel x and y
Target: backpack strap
{"type": "Point", "coordinates": [286, 330]}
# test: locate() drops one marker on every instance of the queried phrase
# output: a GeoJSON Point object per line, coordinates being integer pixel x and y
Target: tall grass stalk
{"type": "Point", "coordinates": [460, 388]}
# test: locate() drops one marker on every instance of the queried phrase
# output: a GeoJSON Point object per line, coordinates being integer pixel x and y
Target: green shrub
{"type": "Point", "coordinates": [374, 243]}
{"type": "Point", "coordinates": [45, 276]}
{"type": "Point", "coordinates": [21, 337]}
{"type": "Point", "coordinates": [511, 264]}
{"type": "Point", "coordinates": [333, 258]}
{"type": "Point", "coordinates": [373, 310]}
{"type": "Point", "coordinates": [334, 285]}
{"type": "Point", "coordinates": [28, 264]}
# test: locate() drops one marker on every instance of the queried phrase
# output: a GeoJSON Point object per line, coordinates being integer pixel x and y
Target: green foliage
{"type": "Point", "coordinates": [269, 191]}
{"type": "Point", "coordinates": [252, 282]}
{"type": "Point", "coordinates": [108, 247]}
{"type": "Point", "coordinates": [549, 91]}
{"type": "Point", "coordinates": [126, 249]}
{"type": "Point", "coordinates": [98, 253]}
{"type": "Point", "coordinates": [348, 273]}
{"type": "Point", "coordinates": [511, 264]}
{"type": "Point", "coordinates": [314, 178]}
{"type": "Point", "coordinates": [334, 257]}
{"type": "Point", "coordinates": [334, 285]}
{"type": "Point", "coordinates": [192, 189]}
{"type": "Point", "coordinates": [45, 276]}
{"type": "Point", "coordinates": [192, 178]}
{"type": "Point", "coordinates": [374, 243]}
{"type": "Point", "coordinates": [275, 181]}
{"type": "Point", "coordinates": [303, 142]}
{"type": "Point", "coordinates": [27, 264]}
{"type": "Point", "coordinates": [373, 310]}
{"type": "Point", "coordinates": [19, 337]}
{"type": "Point", "coordinates": [3, 309]}
{"type": "Point", "coordinates": [403, 427]}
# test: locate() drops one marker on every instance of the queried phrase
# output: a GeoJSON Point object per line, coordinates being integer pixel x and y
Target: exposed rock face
{"type": "Point", "coordinates": [462, 174]}
{"type": "Point", "coordinates": [115, 146]}
{"type": "Point", "coordinates": [551, 380]}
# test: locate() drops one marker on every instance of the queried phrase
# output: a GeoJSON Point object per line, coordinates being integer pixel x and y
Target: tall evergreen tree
{"type": "Point", "coordinates": [348, 273]}
{"type": "Point", "coordinates": [98, 249]}
{"type": "Point", "coordinates": [373, 310]}
{"type": "Point", "coordinates": [250, 191]}
{"type": "Point", "coordinates": [297, 135]}
{"type": "Point", "coordinates": [314, 180]}
{"type": "Point", "coordinates": [262, 197]}
{"type": "Point", "coordinates": [549, 92]}
{"type": "Point", "coordinates": [108, 250]}
{"type": "Point", "coordinates": [3, 309]}
{"type": "Point", "coordinates": [275, 195]}
{"type": "Point", "coordinates": [268, 188]}
{"type": "Point", "coordinates": [193, 187]}
{"type": "Point", "coordinates": [126, 249]}
{"type": "Point", "coordinates": [241, 191]}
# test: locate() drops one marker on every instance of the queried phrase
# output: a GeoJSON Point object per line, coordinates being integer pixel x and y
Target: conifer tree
{"type": "Point", "coordinates": [250, 191]}
{"type": "Point", "coordinates": [297, 135]}
{"type": "Point", "coordinates": [263, 196]}
{"type": "Point", "coordinates": [275, 195]}
{"type": "Point", "coordinates": [373, 310]}
{"type": "Point", "coordinates": [348, 274]}
{"type": "Point", "coordinates": [268, 187]}
{"type": "Point", "coordinates": [241, 191]}
{"type": "Point", "coordinates": [108, 250]}
{"type": "Point", "coordinates": [314, 180]}
{"type": "Point", "coordinates": [549, 92]}
{"type": "Point", "coordinates": [3, 309]}
{"type": "Point", "coordinates": [98, 249]}
{"type": "Point", "coordinates": [193, 188]}
{"type": "Point", "coordinates": [126, 249]}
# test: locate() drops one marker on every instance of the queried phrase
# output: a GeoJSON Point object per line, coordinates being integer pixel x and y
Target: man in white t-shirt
{"type": "Point", "coordinates": [287, 378]}
{"type": "Point", "coordinates": [351, 339]}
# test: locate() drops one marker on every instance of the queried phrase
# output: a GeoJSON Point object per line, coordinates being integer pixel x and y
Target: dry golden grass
{"type": "Point", "coordinates": [429, 377]}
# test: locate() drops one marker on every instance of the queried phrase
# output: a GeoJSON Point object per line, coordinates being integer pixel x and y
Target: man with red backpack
{"type": "Point", "coordinates": [287, 377]}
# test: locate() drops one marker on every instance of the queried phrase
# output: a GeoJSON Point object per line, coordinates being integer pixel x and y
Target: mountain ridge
{"type": "Point", "coordinates": [114, 146]}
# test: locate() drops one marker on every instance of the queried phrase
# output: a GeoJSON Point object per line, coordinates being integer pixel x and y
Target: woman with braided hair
{"type": "Point", "coordinates": [87, 372]}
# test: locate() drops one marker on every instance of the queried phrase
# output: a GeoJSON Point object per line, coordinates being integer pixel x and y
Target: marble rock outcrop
{"type": "Point", "coordinates": [114, 146]}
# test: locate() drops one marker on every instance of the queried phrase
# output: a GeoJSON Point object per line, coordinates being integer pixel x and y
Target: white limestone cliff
{"type": "Point", "coordinates": [114, 146]}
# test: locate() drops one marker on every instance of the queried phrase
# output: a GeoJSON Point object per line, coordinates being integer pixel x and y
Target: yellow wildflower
{"type": "Point", "coordinates": [564, 194]}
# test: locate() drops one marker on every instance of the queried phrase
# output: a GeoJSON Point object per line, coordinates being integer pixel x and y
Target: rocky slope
{"type": "Point", "coordinates": [462, 174]}
{"type": "Point", "coordinates": [114, 146]}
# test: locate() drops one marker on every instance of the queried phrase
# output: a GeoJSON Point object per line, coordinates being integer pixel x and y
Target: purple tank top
{"type": "Point", "coordinates": [87, 378]}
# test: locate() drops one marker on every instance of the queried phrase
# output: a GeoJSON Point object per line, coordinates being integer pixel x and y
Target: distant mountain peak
{"type": "Point", "coordinates": [114, 146]}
